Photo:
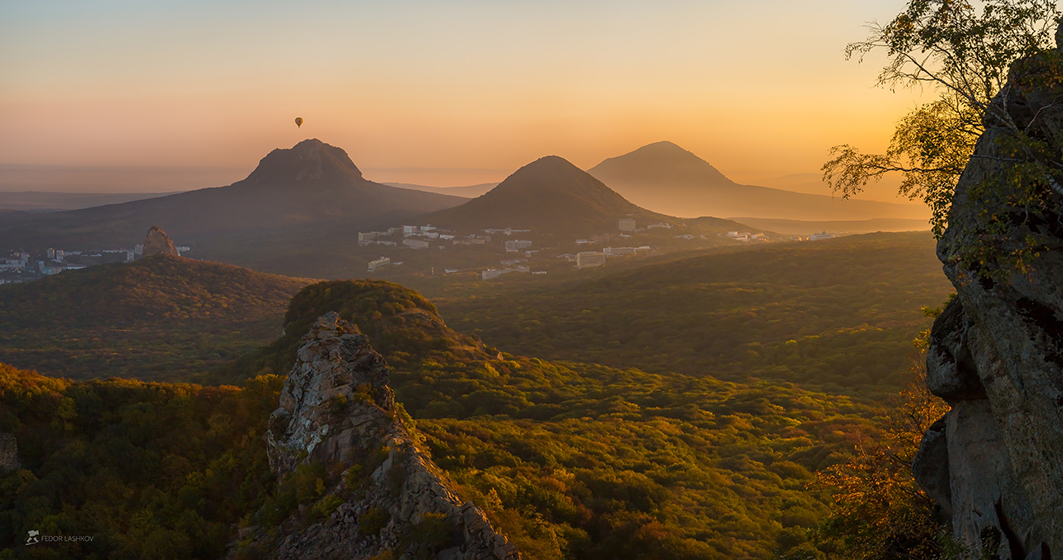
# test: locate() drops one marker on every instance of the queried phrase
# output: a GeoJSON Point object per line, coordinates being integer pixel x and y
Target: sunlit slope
{"type": "Point", "coordinates": [666, 178]}
{"type": "Point", "coordinates": [580, 460]}
{"type": "Point", "coordinates": [837, 314]}
{"type": "Point", "coordinates": [157, 318]}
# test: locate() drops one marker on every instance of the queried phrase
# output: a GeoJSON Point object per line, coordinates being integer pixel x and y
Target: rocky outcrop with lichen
{"type": "Point", "coordinates": [387, 498]}
{"type": "Point", "coordinates": [994, 463]}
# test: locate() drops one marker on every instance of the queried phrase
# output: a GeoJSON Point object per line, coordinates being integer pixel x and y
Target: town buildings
{"type": "Point", "coordinates": [589, 259]}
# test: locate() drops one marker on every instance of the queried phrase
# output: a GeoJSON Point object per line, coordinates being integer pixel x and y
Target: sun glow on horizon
{"type": "Point", "coordinates": [757, 89]}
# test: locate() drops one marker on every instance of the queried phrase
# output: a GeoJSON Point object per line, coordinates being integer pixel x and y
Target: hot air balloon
{"type": "Point", "coordinates": [298, 121]}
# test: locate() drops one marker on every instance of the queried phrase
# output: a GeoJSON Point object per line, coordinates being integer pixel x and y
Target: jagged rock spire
{"type": "Point", "coordinates": [336, 408]}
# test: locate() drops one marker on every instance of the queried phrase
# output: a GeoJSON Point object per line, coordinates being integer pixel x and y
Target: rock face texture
{"type": "Point", "coordinates": [8, 453]}
{"type": "Point", "coordinates": [336, 409]}
{"type": "Point", "coordinates": [158, 243]}
{"type": "Point", "coordinates": [994, 463]}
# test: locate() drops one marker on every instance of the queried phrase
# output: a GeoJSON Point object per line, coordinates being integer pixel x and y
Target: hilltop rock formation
{"type": "Point", "coordinates": [994, 463]}
{"type": "Point", "coordinates": [336, 408]}
{"type": "Point", "coordinates": [158, 243]}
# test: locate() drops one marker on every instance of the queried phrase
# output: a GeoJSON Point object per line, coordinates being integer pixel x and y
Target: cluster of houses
{"type": "Point", "coordinates": [746, 236]}
{"type": "Point", "coordinates": [425, 236]}
{"type": "Point", "coordinates": [421, 237]}
{"type": "Point", "coordinates": [590, 259]}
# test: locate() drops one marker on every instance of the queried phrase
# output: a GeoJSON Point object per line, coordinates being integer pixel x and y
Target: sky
{"type": "Point", "coordinates": [442, 93]}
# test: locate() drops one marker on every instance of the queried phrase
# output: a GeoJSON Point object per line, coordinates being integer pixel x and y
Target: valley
{"type": "Point", "coordinates": [531, 281]}
{"type": "Point", "coordinates": [596, 377]}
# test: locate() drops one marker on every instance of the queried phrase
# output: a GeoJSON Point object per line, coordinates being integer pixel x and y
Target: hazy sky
{"type": "Point", "coordinates": [416, 91]}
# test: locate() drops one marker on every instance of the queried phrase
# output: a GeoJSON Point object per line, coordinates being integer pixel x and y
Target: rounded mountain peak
{"type": "Point", "coordinates": [549, 195]}
{"type": "Point", "coordinates": [548, 174]}
{"type": "Point", "coordinates": [659, 162]}
{"type": "Point", "coordinates": [308, 161]}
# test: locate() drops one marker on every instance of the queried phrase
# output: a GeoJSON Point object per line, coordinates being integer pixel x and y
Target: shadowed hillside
{"type": "Point", "coordinates": [157, 318]}
{"type": "Point", "coordinates": [669, 179]}
{"type": "Point", "coordinates": [471, 191]}
{"type": "Point", "coordinates": [302, 188]}
{"type": "Point", "coordinates": [547, 195]}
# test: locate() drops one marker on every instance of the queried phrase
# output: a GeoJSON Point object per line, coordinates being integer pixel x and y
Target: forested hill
{"type": "Point", "coordinates": [568, 460]}
{"type": "Point", "coordinates": [837, 314]}
{"type": "Point", "coordinates": [156, 318]}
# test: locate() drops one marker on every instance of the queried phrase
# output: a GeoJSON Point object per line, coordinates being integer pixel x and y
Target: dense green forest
{"type": "Point", "coordinates": [148, 470]}
{"type": "Point", "coordinates": [836, 315]}
{"type": "Point", "coordinates": [160, 318]}
{"type": "Point", "coordinates": [571, 460]}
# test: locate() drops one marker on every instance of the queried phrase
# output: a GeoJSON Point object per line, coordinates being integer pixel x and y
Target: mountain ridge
{"type": "Point", "coordinates": [669, 179]}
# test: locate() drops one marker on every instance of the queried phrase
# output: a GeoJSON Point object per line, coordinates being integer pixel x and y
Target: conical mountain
{"type": "Point", "coordinates": [309, 186]}
{"type": "Point", "coordinates": [310, 163]}
{"type": "Point", "coordinates": [666, 178]}
{"type": "Point", "coordinates": [549, 195]}
{"type": "Point", "coordinates": [660, 162]}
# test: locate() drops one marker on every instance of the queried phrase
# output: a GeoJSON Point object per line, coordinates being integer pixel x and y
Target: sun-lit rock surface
{"type": "Point", "coordinates": [336, 408]}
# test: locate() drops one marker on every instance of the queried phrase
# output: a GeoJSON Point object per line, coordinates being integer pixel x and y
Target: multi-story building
{"type": "Point", "coordinates": [382, 261]}
{"type": "Point", "coordinates": [515, 245]}
{"type": "Point", "coordinates": [589, 259]}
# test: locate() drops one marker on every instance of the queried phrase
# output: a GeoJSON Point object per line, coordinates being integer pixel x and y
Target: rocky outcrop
{"type": "Point", "coordinates": [8, 453]}
{"type": "Point", "coordinates": [994, 463]}
{"type": "Point", "coordinates": [336, 409]}
{"type": "Point", "coordinates": [158, 243]}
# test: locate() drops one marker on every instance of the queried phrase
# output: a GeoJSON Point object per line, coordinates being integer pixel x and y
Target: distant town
{"type": "Point", "coordinates": [428, 237]}
{"type": "Point", "coordinates": [523, 250]}
{"type": "Point", "coordinates": [23, 266]}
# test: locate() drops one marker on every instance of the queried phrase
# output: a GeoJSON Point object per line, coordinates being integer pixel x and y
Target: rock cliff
{"type": "Point", "coordinates": [336, 409]}
{"type": "Point", "coordinates": [158, 243]}
{"type": "Point", "coordinates": [994, 463]}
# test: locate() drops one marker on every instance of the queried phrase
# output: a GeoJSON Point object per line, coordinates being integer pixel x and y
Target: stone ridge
{"type": "Point", "coordinates": [337, 408]}
{"type": "Point", "coordinates": [994, 463]}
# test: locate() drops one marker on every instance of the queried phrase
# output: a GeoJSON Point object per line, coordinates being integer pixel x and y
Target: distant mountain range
{"type": "Point", "coordinates": [299, 212]}
{"type": "Point", "coordinates": [471, 191]}
{"type": "Point", "coordinates": [305, 187]}
{"type": "Point", "coordinates": [668, 179]}
{"type": "Point", "coordinates": [802, 227]}
{"type": "Point", "coordinates": [547, 195]}
{"type": "Point", "coordinates": [55, 201]}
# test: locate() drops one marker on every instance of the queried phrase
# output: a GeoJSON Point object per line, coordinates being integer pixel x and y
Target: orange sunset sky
{"type": "Point", "coordinates": [438, 93]}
